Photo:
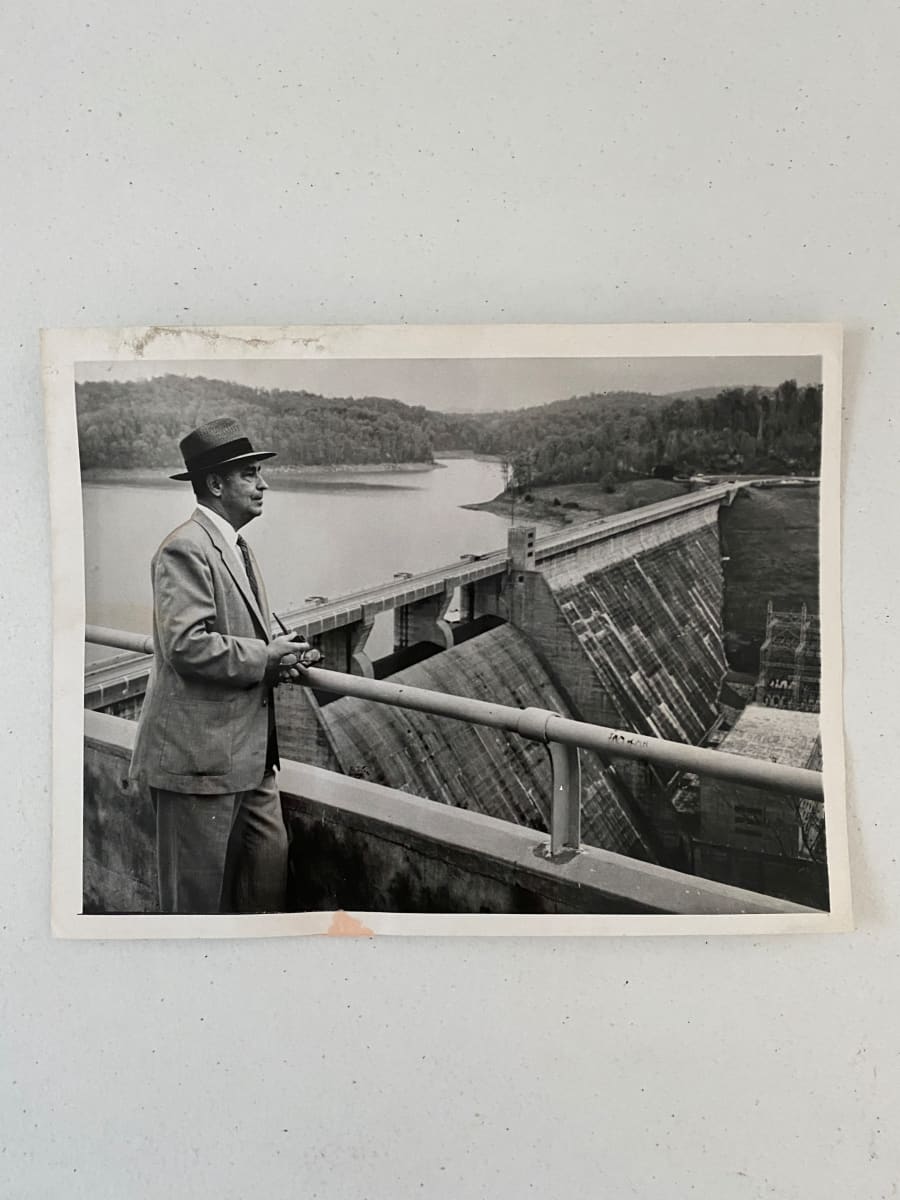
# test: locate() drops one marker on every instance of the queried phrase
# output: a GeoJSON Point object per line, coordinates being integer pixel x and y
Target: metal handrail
{"type": "Point", "coordinates": [562, 735]}
{"type": "Point", "coordinates": [119, 639]}
{"type": "Point", "coordinates": [542, 725]}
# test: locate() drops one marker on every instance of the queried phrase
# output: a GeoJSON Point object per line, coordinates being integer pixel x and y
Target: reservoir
{"type": "Point", "coordinates": [321, 537]}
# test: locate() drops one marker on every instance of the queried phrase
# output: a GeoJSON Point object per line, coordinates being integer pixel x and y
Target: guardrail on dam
{"type": "Point", "coordinates": [359, 846]}
{"type": "Point", "coordinates": [411, 854]}
{"type": "Point", "coordinates": [539, 725]}
{"type": "Point", "coordinates": [563, 737]}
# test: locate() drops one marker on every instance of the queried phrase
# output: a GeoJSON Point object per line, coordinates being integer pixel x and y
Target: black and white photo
{"type": "Point", "coordinates": [475, 630]}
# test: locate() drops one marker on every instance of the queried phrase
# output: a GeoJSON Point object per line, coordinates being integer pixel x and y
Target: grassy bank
{"type": "Point", "coordinates": [569, 503]}
{"type": "Point", "coordinates": [770, 547]}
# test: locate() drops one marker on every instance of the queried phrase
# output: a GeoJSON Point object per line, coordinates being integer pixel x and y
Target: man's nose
{"type": "Point", "coordinates": [261, 484]}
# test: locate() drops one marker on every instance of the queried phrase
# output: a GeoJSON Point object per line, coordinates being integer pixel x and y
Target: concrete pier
{"type": "Point", "coordinates": [344, 648]}
{"type": "Point", "coordinates": [424, 621]}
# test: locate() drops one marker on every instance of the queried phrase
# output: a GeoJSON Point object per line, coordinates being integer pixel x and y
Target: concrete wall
{"type": "Point", "coordinates": [799, 881]}
{"type": "Point", "coordinates": [357, 845]}
{"type": "Point", "coordinates": [748, 818]}
{"type": "Point", "coordinates": [119, 849]}
{"type": "Point", "coordinates": [752, 838]}
{"type": "Point", "coordinates": [526, 600]}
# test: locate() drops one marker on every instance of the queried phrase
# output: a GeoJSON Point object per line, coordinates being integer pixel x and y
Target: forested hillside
{"type": "Point", "coordinates": [602, 437]}
{"type": "Point", "coordinates": [140, 424]}
{"type": "Point", "coordinates": [616, 436]}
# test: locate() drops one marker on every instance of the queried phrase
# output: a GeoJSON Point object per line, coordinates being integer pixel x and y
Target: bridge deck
{"type": "Point", "coordinates": [317, 618]}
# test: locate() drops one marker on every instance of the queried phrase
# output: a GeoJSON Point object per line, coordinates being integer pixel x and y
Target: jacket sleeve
{"type": "Point", "coordinates": [184, 600]}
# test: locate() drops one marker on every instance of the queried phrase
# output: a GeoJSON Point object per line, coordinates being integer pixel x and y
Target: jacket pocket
{"type": "Point", "coordinates": [197, 738]}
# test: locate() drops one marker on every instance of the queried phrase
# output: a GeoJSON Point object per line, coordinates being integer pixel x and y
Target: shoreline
{"type": "Point", "coordinates": [546, 513]}
{"type": "Point", "coordinates": [159, 476]}
{"type": "Point", "coordinates": [575, 503]}
{"type": "Point", "coordinates": [468, 454]}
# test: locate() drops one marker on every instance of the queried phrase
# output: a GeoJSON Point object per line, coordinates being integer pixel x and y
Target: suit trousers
{"type": "Point", "coordinates": [221, 854]}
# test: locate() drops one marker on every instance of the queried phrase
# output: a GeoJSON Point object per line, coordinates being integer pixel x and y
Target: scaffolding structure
{"type": "Point", "coordinates": [790, 661]}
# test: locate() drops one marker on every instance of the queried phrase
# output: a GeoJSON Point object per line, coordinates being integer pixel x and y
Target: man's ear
{"type": "Point", "coordinates": [214, 484]}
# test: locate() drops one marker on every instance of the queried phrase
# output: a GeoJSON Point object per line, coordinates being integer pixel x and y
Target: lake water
{"type": "Point", "coordinates": [326, 537]}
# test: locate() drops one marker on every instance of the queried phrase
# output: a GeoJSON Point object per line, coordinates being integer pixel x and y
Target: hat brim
{"type": "Point", "coordinates": [257, 456]}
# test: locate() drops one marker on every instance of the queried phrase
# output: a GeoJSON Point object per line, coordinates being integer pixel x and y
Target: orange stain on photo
{"type": "Point", "coordinates": [343, 925]}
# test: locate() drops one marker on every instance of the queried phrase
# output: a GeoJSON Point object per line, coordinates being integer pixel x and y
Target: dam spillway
{"type": "Point", "coordinates": [477, 768]}
{"type": "Point", "coordinates": [646, 608]}
{"type": "Point", "coordinates": [623, 624]}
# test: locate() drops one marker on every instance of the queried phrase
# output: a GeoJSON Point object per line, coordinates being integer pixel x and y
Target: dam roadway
{"type": "Point", "coordinates": [317, 618]}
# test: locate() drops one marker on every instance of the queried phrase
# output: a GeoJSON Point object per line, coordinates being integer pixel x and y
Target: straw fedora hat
{"type": "Point", "coordinates": [219, 443]}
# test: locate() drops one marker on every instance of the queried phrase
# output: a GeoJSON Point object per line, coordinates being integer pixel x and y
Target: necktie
{"type": "Point", "coordinates": [272, 759]}
{"type": "Point", "coordinates": [248, 567]}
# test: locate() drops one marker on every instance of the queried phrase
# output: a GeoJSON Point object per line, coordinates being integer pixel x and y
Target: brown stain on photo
{"type": "Point", "coordinates": [343, 925]}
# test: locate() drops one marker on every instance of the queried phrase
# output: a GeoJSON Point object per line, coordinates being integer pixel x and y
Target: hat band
{"type": "Point", "coordinates": [220, 454]}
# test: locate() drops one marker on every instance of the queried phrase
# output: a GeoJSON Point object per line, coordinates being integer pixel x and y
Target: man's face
{"type": "Point", "coordinates": [240, 493]}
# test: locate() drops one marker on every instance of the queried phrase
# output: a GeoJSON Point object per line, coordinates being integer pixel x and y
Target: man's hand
{"type": "Point", "coordinates": [285, 646]}
{"type": "Point", "coordinates": [282, 655]}
{"type": "Point", "coordinates": [286, 656]}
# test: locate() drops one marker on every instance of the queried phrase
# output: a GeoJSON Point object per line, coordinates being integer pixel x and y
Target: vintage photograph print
{"type": "Point", "coordinates": [447, 630]}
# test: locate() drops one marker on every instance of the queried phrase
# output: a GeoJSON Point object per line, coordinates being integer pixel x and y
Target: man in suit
{"type": "Point", "coordinates": [206, 743]}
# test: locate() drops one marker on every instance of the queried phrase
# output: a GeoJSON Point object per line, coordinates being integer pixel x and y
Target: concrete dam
{"type": "Point", "coordinates": [477, 768]}
{"type": "Point", "coordinates": [646, 609]}
{"type": "Point", "coordinates": [620, 623]}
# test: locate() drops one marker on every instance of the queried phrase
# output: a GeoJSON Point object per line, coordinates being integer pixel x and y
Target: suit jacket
{"type": "Point", "coordinates": [207, 714]}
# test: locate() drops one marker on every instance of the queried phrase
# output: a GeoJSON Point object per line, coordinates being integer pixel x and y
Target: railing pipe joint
{"type": "Point", "coordinates": [533, 722]}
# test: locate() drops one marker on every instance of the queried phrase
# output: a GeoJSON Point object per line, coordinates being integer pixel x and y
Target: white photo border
{"type": "Point", "coordinates": [62, 349]}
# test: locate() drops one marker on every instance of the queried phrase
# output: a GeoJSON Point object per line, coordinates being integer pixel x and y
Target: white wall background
{"type": "Point", "coordinates": [276, 162]}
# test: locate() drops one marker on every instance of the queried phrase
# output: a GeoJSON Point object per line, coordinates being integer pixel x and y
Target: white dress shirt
{"type": "Point", "coordinates": [230, 534]}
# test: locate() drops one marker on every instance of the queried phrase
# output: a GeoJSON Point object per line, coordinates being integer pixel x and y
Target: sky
{"type": "Point", "coordinates": [479, 384]}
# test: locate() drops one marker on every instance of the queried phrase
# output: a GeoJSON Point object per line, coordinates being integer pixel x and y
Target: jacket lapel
{"type": "Point", "coordinates": [229, 558]}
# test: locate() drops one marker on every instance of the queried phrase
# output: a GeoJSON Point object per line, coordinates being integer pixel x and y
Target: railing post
{"type": "Point", "coordinates": [565, 805]}
{"type": "Point", "coordinates": [565, 786]}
